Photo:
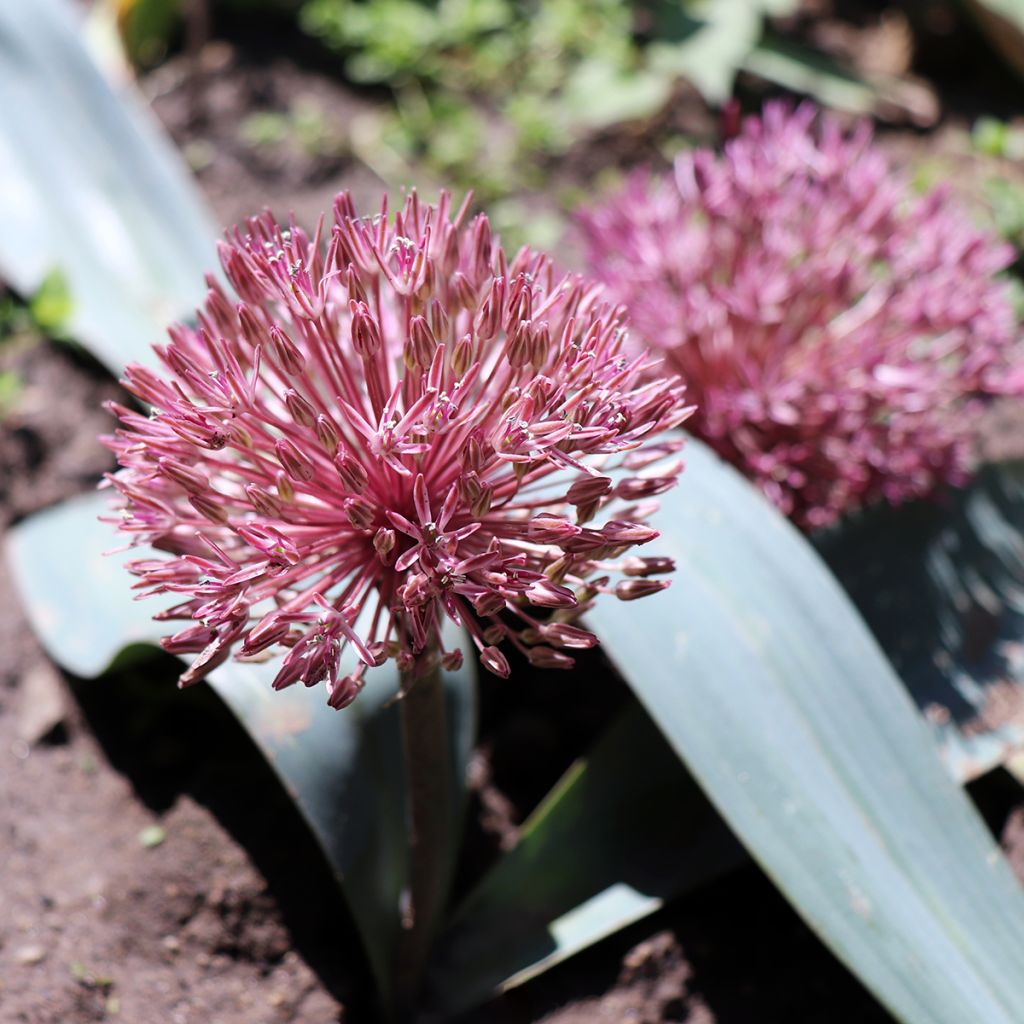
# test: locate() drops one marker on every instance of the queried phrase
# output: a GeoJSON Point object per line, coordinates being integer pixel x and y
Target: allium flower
{"type": "Point", "coordinates": [392, 427]}
{"type": "Point", "coordinates": [835, 330]}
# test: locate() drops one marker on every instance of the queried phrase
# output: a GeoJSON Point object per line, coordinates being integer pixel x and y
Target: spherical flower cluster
{"type": "Point", "coordinates": [836, 330]}
{"type": "Point", "coordinates": [394, 424]}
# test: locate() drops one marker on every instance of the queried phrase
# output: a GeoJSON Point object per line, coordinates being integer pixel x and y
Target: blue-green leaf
{"type": "Point", "coordinates": [344, 769]}
{"type": "Point", "coordinates": [90, 187]}
{"type": "Point", "coordinates": [942, 587]}
{"type": "Point", "coordinates": [599, 853]}
{"type": "Point", "coordinates": [769, 686]}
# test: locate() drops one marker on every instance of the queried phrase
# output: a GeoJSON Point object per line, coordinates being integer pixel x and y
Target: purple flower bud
{"type": "Point", "coordinates": [353, 477]}
{"type": "Point", "coordinates": [587, 488]}
{"type": "Point", "coordinates": [286, 352]}
{"type": "Point", "coordinates": [546, 657]}
{"type": "Point", "coordinates": [630, 590]}
{"type": "Point", "coordinates": [299, 409]}
{"type": "Point", "coordinates": [327, 434]}
{"type": "Point", "coordinates": [193, 480]}
{"type": "Point", "coordinates": [494, 661]}
{"type": "Point", "coordinates": [294, 462]}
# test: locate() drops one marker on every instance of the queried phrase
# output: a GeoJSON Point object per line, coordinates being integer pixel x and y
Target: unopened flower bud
{"type": "Point", "coordinates": [488, 604]}
{"type": "Point", "coordinates": [263, 501]}
{"type": "Point", "coordinates": [494, 661]}
{"type": "Point", "coordinates": [327, 434]}
{"type": "Point", "coordinates": [253, 329]}
{"type": "Point", "coordinates": [546, 657]}
{"type": "Point", "coordinates": [298, 408]}
{"type": "Point", "coordinates": [586, 489]}
{"type": "Point", "coordinates": [366, 337]}
{"type": "Point", "coordinates": [193, 480]}
{"type": "Point", "coordinates": [285, 491]}
{"type": "Point", "coordinates": [551, 529]}
{"type": "Point", "coordinates": [452, 660]}
{"type": "Point", "coordinates": [209, 508]}
{"type": "Point", "coordinates": [350, 469]}
{"type": "Point", "coordinates": [634, 566]}
{"type": "Point", "coordinates": [295, 462]}
{"type": "Point", "coordinates": [462, 356]}
{"type": "Point", "coordinates": [285, 351]}
{"type": "Point", "coordinates": [562, 634]}
{"type": "Point", "coordinates": [345, 691]}
{"type": "Point", "coordinates": [360, 513]}
{"type": "Point", "coordinates": [630, 590]}
{"type": "Point", "coordinates": [617, 532]}
{"type": "Point", "coordinates": [384, 545]}
{"type": "Point", "coordinates": [437, 318]}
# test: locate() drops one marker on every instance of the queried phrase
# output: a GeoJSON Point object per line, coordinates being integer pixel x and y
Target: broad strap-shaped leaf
{"type": "Point", "coordinates": [942, 587]}
{"type": "Point", "coordinates": [89, 186]}
{"type": "Point", "coordinates": [598, 854]}
{"type": "Point", "coordinates": [343, 768]}
{"type": "Point", "coordinates": [767, 683]}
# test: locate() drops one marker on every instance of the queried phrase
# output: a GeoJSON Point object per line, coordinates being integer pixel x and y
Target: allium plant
{"type": "Point", "coordinates": [389, 425]}
{"type": "Point", "coordinates": [837, 331]}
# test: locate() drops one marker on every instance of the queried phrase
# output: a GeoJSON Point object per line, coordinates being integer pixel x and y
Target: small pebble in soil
{"type": "Point", "coordinates": [28, 956]}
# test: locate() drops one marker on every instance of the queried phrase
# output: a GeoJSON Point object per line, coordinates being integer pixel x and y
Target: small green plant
{"type": "Point", "coordinates": [304, 124]}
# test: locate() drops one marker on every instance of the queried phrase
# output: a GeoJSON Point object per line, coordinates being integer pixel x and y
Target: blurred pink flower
{"type": "Point", "coordinates": [393, 427]}
{"type": "Point", "coordinates": [836, 330]}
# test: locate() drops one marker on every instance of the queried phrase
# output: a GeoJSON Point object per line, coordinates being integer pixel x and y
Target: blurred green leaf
{"type": "Point", "coordinates": [810, 72]}
{"type": "Point", "coordinates": [708, 41]}
{"type": "Point", "coordinates": [51, 306]}
{"type": "Point", "coordinates": [600, 93]}
{"type": "Point", "coordinates": [90, 187]}
{"type": "Point", "coordinates": [148, 27]}
{"type": "Point", "coordinates": [344, 769]}
{"type": "Point", "coordinates": [11, 387]}
{"type": "Point", "coordinates": [769, 686]}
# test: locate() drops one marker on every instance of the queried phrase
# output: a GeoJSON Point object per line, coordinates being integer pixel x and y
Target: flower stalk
{"type": "Point", "coordinates": [426, 750]}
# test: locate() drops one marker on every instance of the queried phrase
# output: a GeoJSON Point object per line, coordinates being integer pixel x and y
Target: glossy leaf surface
{"type": "Point", "coordinates": [767, 683]}
{"type": "Point", "coordinates": [941, 585]}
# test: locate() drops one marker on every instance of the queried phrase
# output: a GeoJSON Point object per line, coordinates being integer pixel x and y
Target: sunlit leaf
{"type": "Point", "coordinates": [90, 187]}
{"type": "Point", "coordinates": [769, 686]}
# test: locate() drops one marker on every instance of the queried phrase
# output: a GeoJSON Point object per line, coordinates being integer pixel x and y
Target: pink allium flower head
{"type": "Point", "coordinates": [391, 425]}
{"type": "Point", "coordinates": [836, 330]}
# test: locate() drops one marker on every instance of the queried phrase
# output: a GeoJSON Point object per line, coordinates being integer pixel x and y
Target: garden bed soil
{"type": "Point", "coordinates": [154, 872]}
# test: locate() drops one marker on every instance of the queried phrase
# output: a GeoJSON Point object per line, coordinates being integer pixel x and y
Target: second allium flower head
{"type": "Point", "coordinates": [395, 424]}
{"type": "Point", "coordinates": [835, 329]}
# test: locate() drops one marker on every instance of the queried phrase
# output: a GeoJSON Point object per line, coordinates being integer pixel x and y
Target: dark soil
{"type": "Point", "coordinates": [153, 871]}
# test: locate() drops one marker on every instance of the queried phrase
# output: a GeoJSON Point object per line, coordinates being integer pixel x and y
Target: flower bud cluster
{"type": "Point", "coordinates": [391, 423]}
{"type": "Point", "coordinates": [836, 330]}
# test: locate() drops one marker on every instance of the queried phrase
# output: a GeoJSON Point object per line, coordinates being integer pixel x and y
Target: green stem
{"type": "Point", "coordinates": [428, 784]}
